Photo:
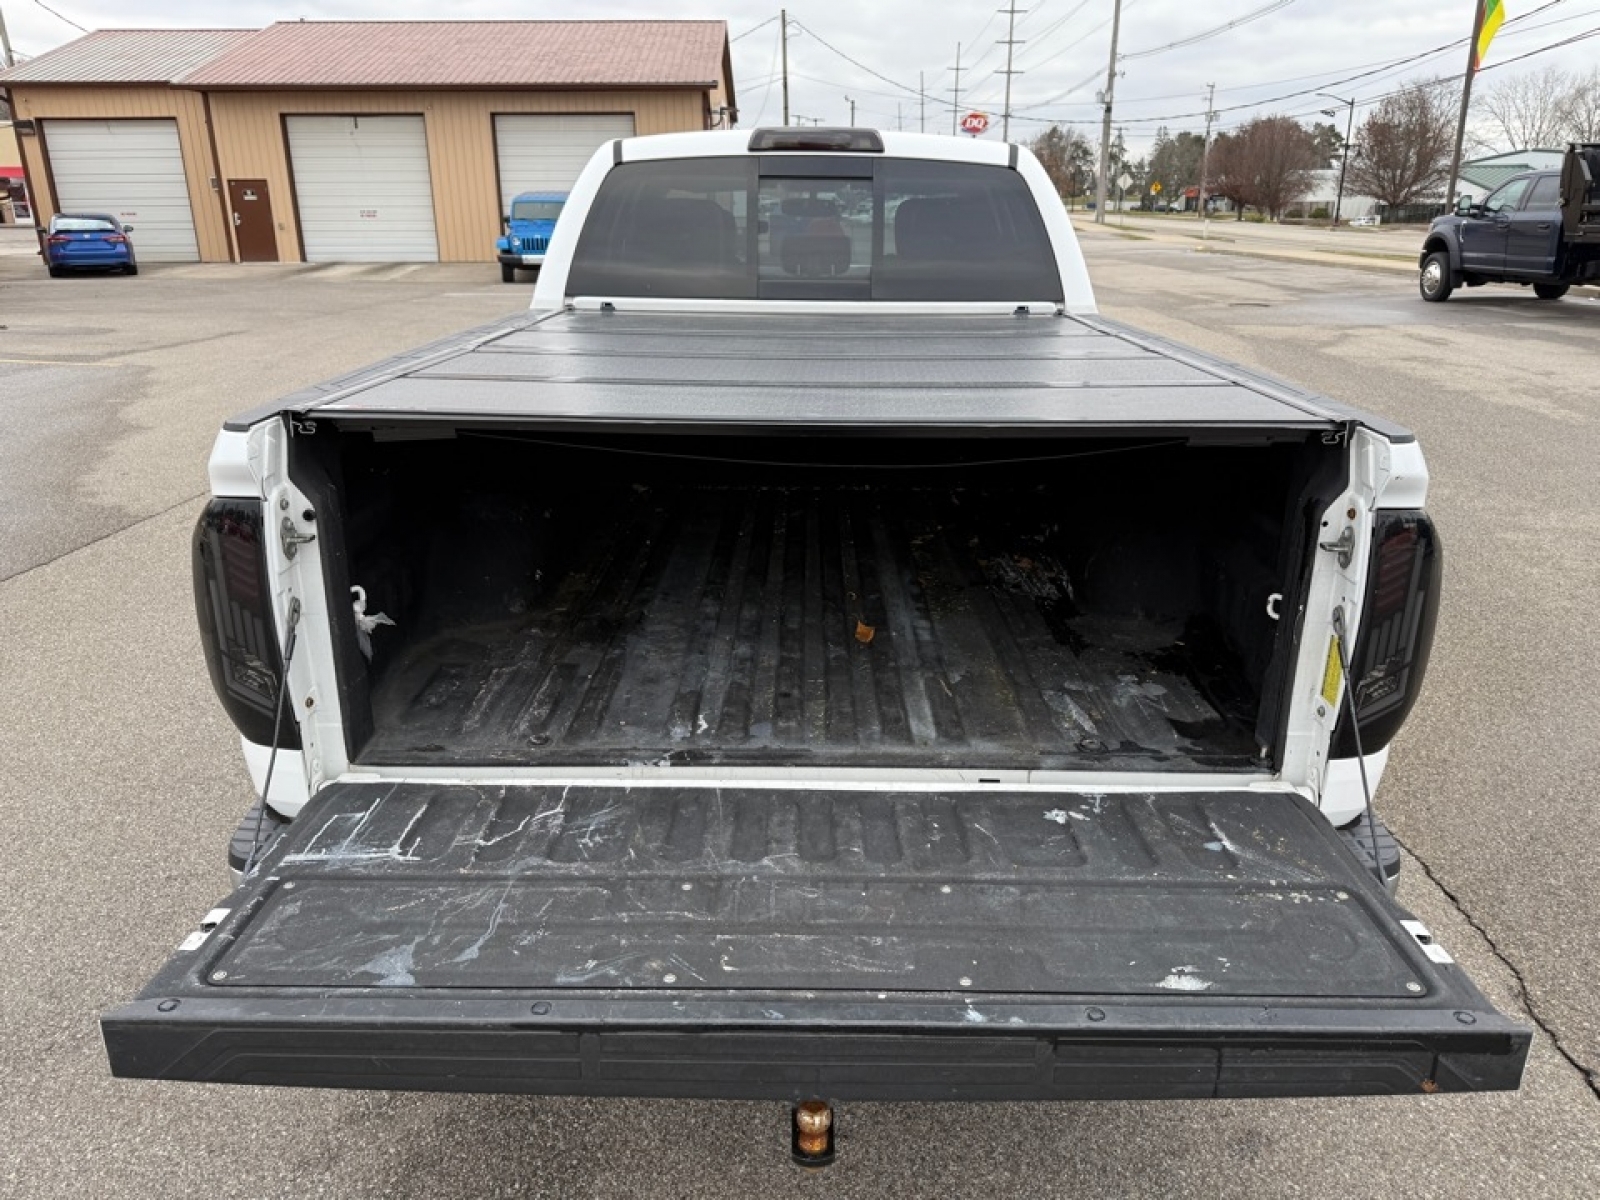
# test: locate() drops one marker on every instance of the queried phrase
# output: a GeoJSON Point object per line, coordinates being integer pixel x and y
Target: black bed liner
{"type": "Point", "coordinates": [717, 631]}
{"type": "Point", "coordinates": [905, 373]}
{"type": "Point", "coordinates": [693, 940]}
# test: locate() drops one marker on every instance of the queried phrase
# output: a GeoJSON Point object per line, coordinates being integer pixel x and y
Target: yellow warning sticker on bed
{"type": "Point", "coordinates": [1331, 674]}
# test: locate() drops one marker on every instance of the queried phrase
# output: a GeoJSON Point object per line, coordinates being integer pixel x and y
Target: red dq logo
{"type": "Point", "coordinates": [974, 123]}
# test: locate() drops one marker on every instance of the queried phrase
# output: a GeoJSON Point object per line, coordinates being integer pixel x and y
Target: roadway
{"type": "Point", "coordinates": [120, 779]}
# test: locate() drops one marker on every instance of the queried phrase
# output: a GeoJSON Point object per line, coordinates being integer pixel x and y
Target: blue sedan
{"type": "Point", "coordinates": [88, 241]}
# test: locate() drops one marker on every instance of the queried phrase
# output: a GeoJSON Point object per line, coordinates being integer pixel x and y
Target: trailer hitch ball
{"type": "Point", "coordinates": [812, 1133]}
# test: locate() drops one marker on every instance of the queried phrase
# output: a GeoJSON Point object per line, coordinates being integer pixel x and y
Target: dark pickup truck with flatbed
{"type": "Point", "coordinates": [850, 668]}
{"type": "Point", "coordinates": [1540, 229]}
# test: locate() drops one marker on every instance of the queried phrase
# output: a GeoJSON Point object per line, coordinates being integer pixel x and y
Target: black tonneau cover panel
{"type": "Point", "coordinates": [859, 370]}
{"type": "Point", "coordinates": [739, 941]}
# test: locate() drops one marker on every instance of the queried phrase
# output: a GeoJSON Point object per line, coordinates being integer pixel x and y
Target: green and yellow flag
{"type": "Point", "coordinates": [1494, 16]}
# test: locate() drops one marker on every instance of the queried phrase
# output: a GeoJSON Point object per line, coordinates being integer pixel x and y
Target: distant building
{"type": "Point", "coordinates": [1324, 193]}
{"type": "Point", "coordinates": [329, 141]}
{"type": "Point", "coordinates": [1481, 176]}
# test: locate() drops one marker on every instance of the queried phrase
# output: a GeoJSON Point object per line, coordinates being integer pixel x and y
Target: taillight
{"type": "Point", "coordinates": [115, 237]}
{"type": "Point", "coordinates": [58, 239]}
{"type": "Point", "coordinates": [233, 600]}
{"type": "Point", "coordinates": [1390, 655]}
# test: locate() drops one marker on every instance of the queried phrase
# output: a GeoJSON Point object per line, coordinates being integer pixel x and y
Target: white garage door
{"type": "Point", "coordinates": [132, 170]}
{"type": "Point", "coordinates": [546, 154]}
{"type": "Point", "coordinates": [362, 189]}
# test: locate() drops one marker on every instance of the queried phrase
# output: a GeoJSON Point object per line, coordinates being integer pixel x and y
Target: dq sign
{"type": "Point", "coordinates": [974, 123]}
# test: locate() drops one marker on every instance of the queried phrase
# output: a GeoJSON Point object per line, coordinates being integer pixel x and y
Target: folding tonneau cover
{"type": "Point", "coordinates": [973, 373]}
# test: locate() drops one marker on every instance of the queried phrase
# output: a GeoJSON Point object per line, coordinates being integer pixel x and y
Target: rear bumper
{"type": "Point", "coordinates": [777, 1049]}
{"type": "Point", "coordinates": [90, 262]}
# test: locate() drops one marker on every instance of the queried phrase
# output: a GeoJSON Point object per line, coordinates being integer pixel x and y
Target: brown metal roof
{"type": "Point", "coordinates": [471, 54]}
{"type": "Point", "coordinates": [127, 56]}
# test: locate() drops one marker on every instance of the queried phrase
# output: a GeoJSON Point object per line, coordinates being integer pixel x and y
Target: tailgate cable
{"type": "Point", "coordinates": [1355, 734]}
{"type": "Point", "coordinates": [277, 727]}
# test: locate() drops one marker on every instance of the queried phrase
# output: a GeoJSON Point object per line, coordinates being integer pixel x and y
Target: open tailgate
{"type": "Point", "coordinates": [774, 942]}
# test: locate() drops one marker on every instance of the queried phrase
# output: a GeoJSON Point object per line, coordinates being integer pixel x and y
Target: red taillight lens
{"type": "Point", "coordinates": [58, 239]}
{"type": "Point", "coordinates": [1392, 570]}
{"type": "Point", "coordinates": [233, 599]}
{"type": "Point", "coordinates": [1390, 654]}
{"type": "Point", "coordinates": [115, 237]}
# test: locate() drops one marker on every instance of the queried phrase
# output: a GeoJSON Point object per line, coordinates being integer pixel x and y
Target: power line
{"type": "Point", "coordinates": [772, 77]}
{"type": "Point", "coordinates": [1363, 71]}
{"type": "Point", "coordinates": [1218, 31]}
{"type": "Point", "coordinates": [1077, 42]}
{"type": "Point", "coordinates": [60, 16]}
{"type": "Point", "coordinates": [1045, 33]}
{"type": "Point", "coordinates": [752, 29]}
{"type": "Point", "coordinates": [910, 91]}
{"type": "Point", "coordinates": [1363, 102]}
{"type": "Point", "coordinates": [1294, 95]}
{"type": "Point", "coordinates": [1380, 67]}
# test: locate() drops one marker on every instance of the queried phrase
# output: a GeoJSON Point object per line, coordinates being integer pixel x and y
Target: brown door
{"type": "Point", "coordinates": [253, 230]}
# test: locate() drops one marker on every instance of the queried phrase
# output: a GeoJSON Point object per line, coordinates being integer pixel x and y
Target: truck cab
{"type": "Point", "coordinates": [528, 227]}
{"type": "Point", "coordinates": [1538, 229]}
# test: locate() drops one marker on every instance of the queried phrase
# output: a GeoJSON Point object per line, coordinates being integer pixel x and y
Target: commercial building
{"type": "Point", "coordinates": [348, 141]}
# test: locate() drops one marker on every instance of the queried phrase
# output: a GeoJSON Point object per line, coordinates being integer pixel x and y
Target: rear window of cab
{"type": "Point", "coordinates": [802, 227]}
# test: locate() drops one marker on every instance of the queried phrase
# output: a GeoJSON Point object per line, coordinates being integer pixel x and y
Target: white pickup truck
{"type": "Point", "coordinates": [813, 656]}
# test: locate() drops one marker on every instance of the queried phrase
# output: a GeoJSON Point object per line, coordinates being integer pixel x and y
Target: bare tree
{"type": "Point", "coordinates": [1227, 172]}
{"type": "Point", "coordinates": [1403, 148]}
{"type": "Point", "coordinates": [1266, 164]}
{"type": "Point", "coordinates": [1527, 111]}
{"type": "Point", "coordinates": [1580, 114]}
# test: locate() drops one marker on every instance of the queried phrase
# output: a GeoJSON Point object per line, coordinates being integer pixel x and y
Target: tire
{"type": "Point", "coordinates": [1550, 291]}
{"type": "Point", "coordinates": [131, 269]}
{"type": "Point", "coordinates": [508, 273]}
{"type": "Point", "coordinates": [1434, 282]}
{"type": "Point", "coordinates": [57, 273]}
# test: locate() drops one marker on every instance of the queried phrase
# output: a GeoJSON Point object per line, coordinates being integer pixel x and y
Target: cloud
{"type": "Point", "coordinates": [1062, 55]}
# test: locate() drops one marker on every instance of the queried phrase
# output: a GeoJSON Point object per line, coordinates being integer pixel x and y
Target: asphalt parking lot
{"type": "Point", "coordinates": [120, 779]}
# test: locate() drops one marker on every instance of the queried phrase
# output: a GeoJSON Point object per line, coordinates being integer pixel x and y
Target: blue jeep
{"type": "Point", "coordinates": [528, 228]}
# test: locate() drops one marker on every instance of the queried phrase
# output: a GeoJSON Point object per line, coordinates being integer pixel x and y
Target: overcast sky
{"type": "Point", "coordinates": [1296, 46]}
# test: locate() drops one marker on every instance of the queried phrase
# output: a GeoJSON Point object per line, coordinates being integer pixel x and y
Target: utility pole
{"type": "Point", "coordinates": [1102, 186]}
{"type": "Point", "coordinates": [783, 36]}
{"type": "Point", "coordinates": [1205, 149]}
{"type": "Point", "coordinates": [1466, 100]}
{"type": "Point", "coordinates": [922, 100]}
{"type": "Point", "coordinates": [955, 103]}
{"type": "Point", "coordinates": [9, 58]}
{"type": "Point", "coordinates": [1344, 159]}
{"type": "Point", "coordinates": [852, 105]}
{"type": "Point", "coordinates": [899, 116]}
{"type": "Point", "coordinates": [1011, 44]}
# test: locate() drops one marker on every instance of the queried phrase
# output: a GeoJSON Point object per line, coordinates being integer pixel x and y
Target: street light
{"type": "Point", "coordinates": [1344, 160]}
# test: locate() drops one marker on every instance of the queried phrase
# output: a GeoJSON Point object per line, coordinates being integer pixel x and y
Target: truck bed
{"type": "Point", "coordinates": [763, 601]}
{"type": "Point", "coordinates": [727, 625]}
